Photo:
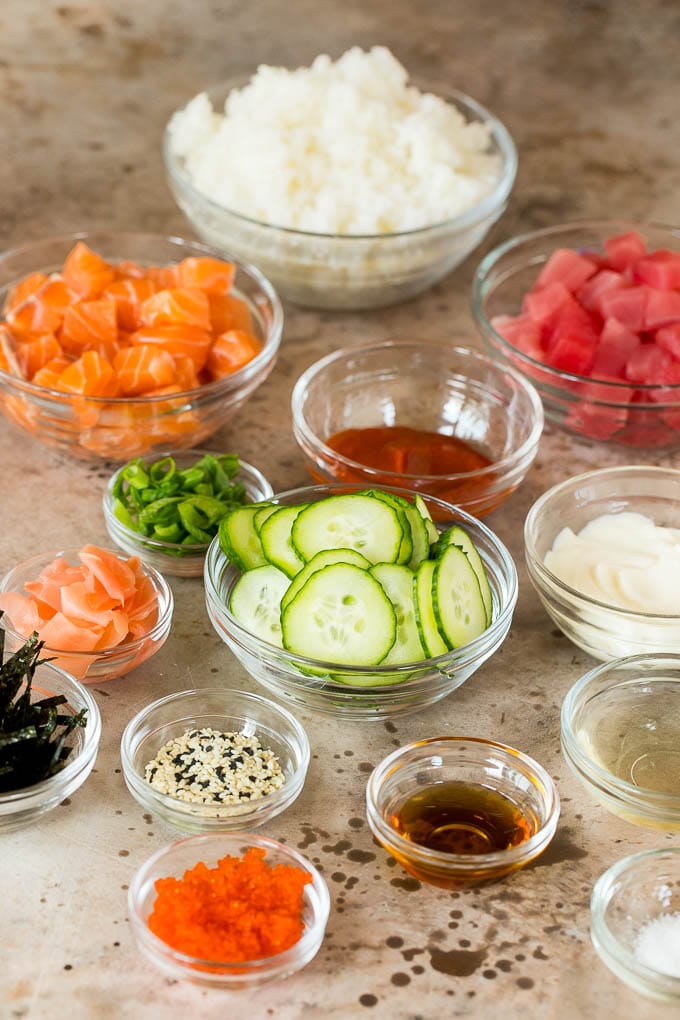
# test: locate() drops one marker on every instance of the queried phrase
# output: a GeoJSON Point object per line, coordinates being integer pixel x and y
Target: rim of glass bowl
{"type": "Point", "coordinates": [92, 734]}
{"type": "Point", "coordinates": [536, 564]}
{"type": "Point", "coordinates": [156, 545]}
{"type": "Point", "coordinates": [464, 862]}
{"type": "Point", "coordinates": [216, 563]}
{"type": "Point", "coordinates": [606, 942]}
{"type": "Point", "coordinates": [481, 288]}
{"type": "Point", "coordinates": [165, 607]}
{"type": "Point", "coordinates": [282, 798]}
{"type": "Point", "coordinates": [270, 344]}
{"type": "Point", "coordinates": [280, 961]}
{"type": "Point", "coordinates": [523, 385]}
{"type": "Point", "coordinates": [642, 799]}
{"type": "Point", "coordinates": [495, 199]}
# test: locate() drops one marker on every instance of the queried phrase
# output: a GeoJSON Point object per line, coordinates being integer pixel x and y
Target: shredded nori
{"type": "Point", "coordinates": [33, 733]}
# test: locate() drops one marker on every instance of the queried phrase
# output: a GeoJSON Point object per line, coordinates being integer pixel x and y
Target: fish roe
{"type": "Point", "coordinates": [242, 909]}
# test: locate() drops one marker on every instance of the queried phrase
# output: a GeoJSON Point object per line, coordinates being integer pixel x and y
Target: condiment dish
{"type": "Point", "coordinates": [360, 692]}
{"type": "Point", "coordinates": [621, 737]}
{"type": "Point", "coordinates": [601, 409]}
{"type": "Point", "coordinates": [224, 711]}
{"type": "Point", "coordinates": [603, 630]}
{"type": "Point", "coordinates": [463, 396]}
{"type": "Point", "coordinates": [175, 860]}
{"type": "Point", "coordinates": [170, 557]}
{"type": "Point", "coordinates": [347, 271]}
{"type": "Point", "coordinates": [469, 770]}
{"type": "Point", "coordinates": [21, 807]}
{"type": "Point", "coordinates": [98, 428]}
{"type": "Point", "coordinates": [635, 922]}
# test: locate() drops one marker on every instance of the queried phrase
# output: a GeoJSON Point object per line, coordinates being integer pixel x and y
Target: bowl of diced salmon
{"type": "Point", "coordinates": [114, 345]}
{"type": "Point", "coordinates": [590, 313]}
{"type": "Point", "coordinates": [100, 614]}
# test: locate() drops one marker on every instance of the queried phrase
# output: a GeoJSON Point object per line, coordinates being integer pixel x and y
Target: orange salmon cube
{"type": "Point", "coordinates": [29, 285]}
{"type": "Point", "coordinates": [86, 272]}
{"type": "Point", "coordinates": [178, 340]}
{"type": "Point", "coordinates": [176, 306]}
{"type": "Point", "coordinates": [35, 354]}
{"type": "Point", "coordinates": [231, 351]}
{"type": "Point", "coordinates": [229, 312]}
{"type": "Point", "coordinates": [89, 323]}
{"type": "Point", "coordinates": [143, 368]}
{"type": "Point", "coordinates": [43, 311]}
{"type": "Point", "coordinates": [90, 375]}
{"type": "Point", "coordinates": [129, 295]}
{"type": "Point", "coordinates": [208, 274]}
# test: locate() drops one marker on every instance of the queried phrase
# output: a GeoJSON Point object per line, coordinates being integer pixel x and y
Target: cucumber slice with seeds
{"type": "Point", "coordinates": [355, 521]}
{"type": "Point", "coordinates": [457, 536]}
{"type": "Point", "coordinates": [322, 559]}
{"type": "Point", "coordinates": [256, 602]}
{"type": "Point", "coordinates": [457, 599]}
{"type": "Point", "coordinates": [275, 536]}
{"type": "Point", "coordinates": [397, 583]}
{"type": "Point", "coordinates": [399, 505]}
{"type": "Point", "coordinates": [239, 540]}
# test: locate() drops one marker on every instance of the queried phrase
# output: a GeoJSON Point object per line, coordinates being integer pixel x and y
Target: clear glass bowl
{"type": "Point", "coordinates": [604, 631]}
{"type": "Point", "coordinates": [104, 663]}
{"type": "Point", "coordinates": [633, 893]}
{"type": "Point", "coordinates": [175, 860]}
{"type": "Point", "coordinates": [362, 693]}
{"type": "Point", "coordinates": [621, 737]}
{"type": "Point", "coordinates": [21, 807]}
{"type": "Point", "coordinates": [620, 413]}
{"type": "Point", "coordinates": [117, 428]}
{"type": "Point", "coordinates": [227, 711]}
{"type": "Point", "coordinates": [412, 769]}
{"type": "Point", "coordinates": [348, 271]}
{"type": "Point", "coordinates": [423, 385]}
{"type": "Point", "coordinates": [173, 558]}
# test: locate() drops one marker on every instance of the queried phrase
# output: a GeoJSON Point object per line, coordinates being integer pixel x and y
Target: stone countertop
{"type": "Point", "coordinates": [589, 91]}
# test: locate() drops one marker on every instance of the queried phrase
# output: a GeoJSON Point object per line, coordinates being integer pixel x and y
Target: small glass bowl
{"type": "Point", "coordinates": [103, 663]}
{"type": "Point", "coordinates": [428, 386]}
{"type": "Point", "coordinates": [227, 711]}
{"type": "Point", "coordinates": [621, 413]}
{"type": "Point", "coordinates": [416, 767]}
{"type": "Point", "coordinates": [621, 737]}
{"type": "Point", "coordinates": [170, 557]}
{"type": "Point", "coordinates": [175, 860]}
{"type": "Point", "coordinates": [632, 894]}
{"type": "Point", "coordinates": [348, 271]}
{"type": "Point", "coordinates": [117, 428]}
{"type": "Point", "coordinates": [364, 693]}
{"type": "Point", "coordinates": [604, 631]}
{"type": "Point", "coordinates": [21, 807]}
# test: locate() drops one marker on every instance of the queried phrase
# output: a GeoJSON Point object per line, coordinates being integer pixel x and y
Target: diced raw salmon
{"type": "Point", "coordinates": [43, 311]}
{"type": "Point", "coordinates": [29, 285]}
{"type": "Point", "coordinates": [129, 294]}
{"type": "Point", "coordinates": [229, 312]}
{"type": "Point", "coordinates": [209, 274]}
{"type": "Point", "coordinates": [89, 323]}
{"type": "Point", "coordinates": [49, 374]}
{"type": "Point", "coordinates": [176, 306]}
{"type": "Point", "coordinates": [185, 373]}
{"type": "Point", "coordinates": [89, 375]}
{"type": "Point", "coordinates": [165, 276]}
{"type": "Point", "coordinates": [231, 351]}
{"type": "Point", "coordinates": [86, 272]}
{"type": "Point", "coordinates": [143, 368]}
{"type": "Point", "coordinates": [35, 354]}
{"type": "Point", "coordinates": [179, 341]}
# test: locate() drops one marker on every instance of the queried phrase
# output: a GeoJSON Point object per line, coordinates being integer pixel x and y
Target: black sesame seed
{"type": "Point", "coordinates": [248, 751]}
{"type": "Point", "coordinates": [252, 779]}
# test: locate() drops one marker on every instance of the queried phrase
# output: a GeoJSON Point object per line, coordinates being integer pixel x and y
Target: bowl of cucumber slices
{"type": "Point", "coordinates": [359, 603]}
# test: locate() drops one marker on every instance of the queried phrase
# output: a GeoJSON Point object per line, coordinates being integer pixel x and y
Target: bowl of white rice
{"type": "Point", "coordinates": [346, 185]}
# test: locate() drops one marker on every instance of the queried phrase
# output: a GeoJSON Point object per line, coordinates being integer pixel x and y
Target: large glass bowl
{"type": "Point", "coordinates": [117, 428]}
{"type": "Point", "coordinates": [348, 271]}
{"type": "Point", "coordinates": [620, 413]}
{"type": "Point", "coordinates": [364, 693]}
{"type": "Point", "coordinates": [427, 386]}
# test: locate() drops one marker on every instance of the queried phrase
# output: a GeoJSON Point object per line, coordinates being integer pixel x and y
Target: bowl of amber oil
{"type": "Point", "coordinates": [420, 415]}
{"type": "Point", "coordinates": [460, 811]}
{"type": "Point", "coordinates": [620, 732]}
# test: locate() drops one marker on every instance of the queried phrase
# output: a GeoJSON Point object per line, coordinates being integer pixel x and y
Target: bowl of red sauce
{"type": "Point", "coordinates": [442, 420]}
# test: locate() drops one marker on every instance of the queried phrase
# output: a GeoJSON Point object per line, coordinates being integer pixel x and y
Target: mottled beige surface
{"type": "Point", "coordinates": [589, 90]}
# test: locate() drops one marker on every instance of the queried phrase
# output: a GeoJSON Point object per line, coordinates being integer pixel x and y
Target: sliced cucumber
{"type": "Point", "coordinates": [263, 513]}
{"type": "Point", "coordinates": [355, 521]}
{"type": "Point", "coordinates": [397, 583]}
{"type": "Point", "coordinates": [342, 615]}
{"type": "Point", "coordinates": [239, 540]}
{"type": "Point", "coordinates": [322, 559]}
{"type": "Point", "coordinates": [457, 536]}
{"type": "Point", "coordinates": [256, 602]}
{"type": "Point", "coordinates": [421, 507]}
{"type": "Point", "coordinates": [457, 598]}
{"type": "Point", "coordinates": [276, 541]}
{"type": "Point", "coordinates": [400, 506]}
{"type": "Point", "coordinates": [419, 537]}
{"type": "Point", "coordinates": [432, 641]}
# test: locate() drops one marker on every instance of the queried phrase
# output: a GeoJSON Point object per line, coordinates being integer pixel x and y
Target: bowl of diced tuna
{"type": "Point", "coordinates": [590, 313]}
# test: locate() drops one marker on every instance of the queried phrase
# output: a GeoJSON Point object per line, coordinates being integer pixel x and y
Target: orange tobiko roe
{"type": "Point", "coordinates": [242, 909]}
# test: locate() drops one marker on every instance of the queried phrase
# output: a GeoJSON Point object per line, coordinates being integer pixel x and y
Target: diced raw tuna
{"type": "Point", "coordinates": [572, 355]}
{"type": "Point", "coordinates": [662, 308]}
{"type": "Point", "coordinates": [591, 293]}
{"type": "Point", "coordinates": [571, 322]}
{"type": "Point", "coordinates": [521, 331]}
{"type": "Point", "coordinates": [660, 269]}
{"type": "Point", "coordinates": [668, 338]}
{"type": "Point", "coordinates": [567, 267]}
{"type": "Point", "coordinates": [617, 344]}
{"type": "Point", "coordinates": [544, 304]}
{"type": "Point", "coordinates": [648, 364]}
{"type": "Point", "coordinates": [625, 250]}
{"type": "Point", "coordinates": [629, 306]}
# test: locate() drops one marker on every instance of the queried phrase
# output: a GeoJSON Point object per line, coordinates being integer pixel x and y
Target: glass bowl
{"type": "Point", "coordinates": [362, 693]}
{"type": "Point", "coordinates": [117, 428]}
{"type": "Point", "coordinates": [227, 711]}
{"type": "Point", "coordinates": [348, 271]}
{"type": "Point", "coordinates": [621, 738]}
{"type": "Point", "coordinates": [177, 858]}
{"type": "Point", "coordinates": [101, 664]}
{"type": "Point", "coordinates": [173, 558]}
{"type": "Point", "coordinates": [603, 630]}
{"type": "Point", "coordinates": [21, 807]}
{"type": "Point", "coordinates": [426, 386]}
{"type": "Point", "coordinates": [628, 903]}
{"type": "Point", "coordinates": [617, 412]}
{"type": "Point", "coordinates": [445, 773]}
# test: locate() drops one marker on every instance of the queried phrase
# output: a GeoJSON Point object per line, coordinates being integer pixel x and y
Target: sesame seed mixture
{"type": "Point", "coordinates": [208, 767]}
